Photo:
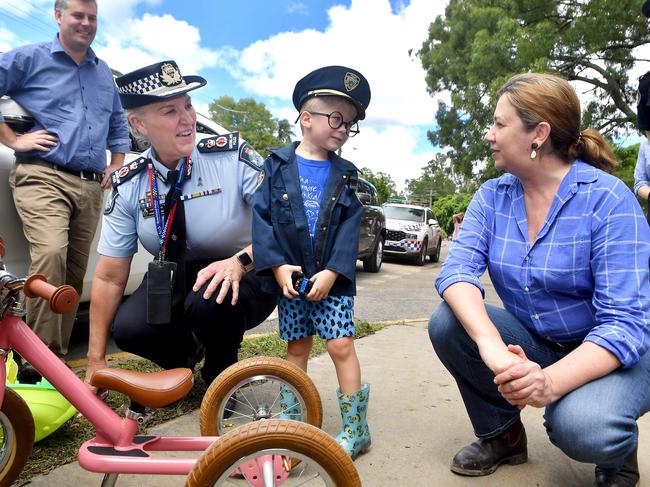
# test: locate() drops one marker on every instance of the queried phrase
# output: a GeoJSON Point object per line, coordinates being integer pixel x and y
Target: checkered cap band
{"type": "Point", "coordinates": [151, 85]}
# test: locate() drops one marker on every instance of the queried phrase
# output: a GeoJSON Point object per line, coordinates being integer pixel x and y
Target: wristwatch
{"type": "Point", "coordinates": [245, 260]}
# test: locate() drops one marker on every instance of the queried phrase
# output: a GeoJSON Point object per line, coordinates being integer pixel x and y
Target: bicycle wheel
{"type": "Point", "coordinates": [16, 437]}
{"type": "Point", "coordinates": [262, 446]}
{"type": "Point", "coordinates": [254, 386]}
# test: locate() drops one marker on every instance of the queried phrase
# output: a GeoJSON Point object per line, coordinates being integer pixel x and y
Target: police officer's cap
{"type": "Point", "coordinates": [334, 80]}
{"type": "Point", "coordinates": [156, 82]}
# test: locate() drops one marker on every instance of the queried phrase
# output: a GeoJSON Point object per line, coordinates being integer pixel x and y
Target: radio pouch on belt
{"type": "Point", "coordinates": [160, 283]}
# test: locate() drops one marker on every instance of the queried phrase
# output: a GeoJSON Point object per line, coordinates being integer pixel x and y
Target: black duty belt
{"type": "Point", "coordinates": [85, 175]}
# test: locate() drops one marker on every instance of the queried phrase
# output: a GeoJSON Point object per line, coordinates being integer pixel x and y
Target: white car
{"type": "Point", "coordinates": [412, 231]}
{"type": "Point", "coordinates": [17, 249]}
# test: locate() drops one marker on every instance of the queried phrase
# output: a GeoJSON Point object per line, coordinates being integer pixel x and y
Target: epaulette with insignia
{"type": "Point", "coordinates": [219, 143]}
{"type": "Point", "coordinates": [250, 156]}
{"type": "Point", "coordinates": [127, 171]}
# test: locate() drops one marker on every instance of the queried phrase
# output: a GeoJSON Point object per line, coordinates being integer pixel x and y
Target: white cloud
{"type": "Point", "coordinates": [297, 8]}
{"type": "Point", "coordinates": [366, 36]}
{"type": "Point", "coordinates": [7, 40]}
{"type": "Point", "coordinates": [153, 38]}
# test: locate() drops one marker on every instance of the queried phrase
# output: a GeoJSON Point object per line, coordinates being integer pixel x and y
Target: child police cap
{"type": "Point", "coordinates": [153, 83]}
{"type": "Point", "coordinates": [334, 80]}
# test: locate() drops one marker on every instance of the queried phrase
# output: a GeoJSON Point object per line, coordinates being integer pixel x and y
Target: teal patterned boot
{"type": "Point", "coordinates": [355, 436]}
{"type": "Point", "coordinates": [289, 405]}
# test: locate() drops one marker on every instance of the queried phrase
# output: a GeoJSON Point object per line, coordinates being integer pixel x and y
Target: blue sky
{"type": "Point", "coordinates": [260, 48]}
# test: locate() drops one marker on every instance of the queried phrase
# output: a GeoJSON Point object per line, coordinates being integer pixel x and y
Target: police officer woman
{"type": "Point", "coordinates": [189, 206]}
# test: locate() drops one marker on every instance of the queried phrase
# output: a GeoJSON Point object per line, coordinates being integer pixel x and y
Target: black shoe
{"type": "Point", "coordinates": [196, 356]}
{"type": "Point", "coordinates": [484, 456]}
{"type": "Point", "coordinates": [26, 373]}
{"type": "Point", "coordinates": [626, 476]}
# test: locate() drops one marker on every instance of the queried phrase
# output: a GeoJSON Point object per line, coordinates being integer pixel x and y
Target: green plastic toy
{"type": "Point", "coordinates": [49, 408]}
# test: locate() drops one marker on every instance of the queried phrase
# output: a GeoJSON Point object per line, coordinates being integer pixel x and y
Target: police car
{"type": "Point", "coordinates": [412, 232]}
{"type": "Point", "coordinates": [17, 248]}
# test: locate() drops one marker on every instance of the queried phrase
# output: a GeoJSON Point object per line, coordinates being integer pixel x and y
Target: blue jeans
{"type": "Point", "coordinates": [595, 423]}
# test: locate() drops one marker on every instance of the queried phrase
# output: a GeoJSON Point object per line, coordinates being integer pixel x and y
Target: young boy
{"type": "Point", "coordinates": [306, 219]}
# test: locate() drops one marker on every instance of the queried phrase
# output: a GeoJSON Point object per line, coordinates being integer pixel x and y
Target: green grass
{"type": "Point", "coordinates": [62, 446]}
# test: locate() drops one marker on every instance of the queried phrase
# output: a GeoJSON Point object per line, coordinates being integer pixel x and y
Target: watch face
{"type": "Point", "coordinates": [245, 259]}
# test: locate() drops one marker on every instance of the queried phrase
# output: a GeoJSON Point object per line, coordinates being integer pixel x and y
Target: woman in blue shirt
{"type": "Point", "coordinates": [566, 246]}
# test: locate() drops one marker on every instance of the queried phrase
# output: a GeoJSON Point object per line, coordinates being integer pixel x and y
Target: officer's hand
{"type": "Point", "coordinates": [106, 180]}
{"type": "Point", "coordinates": [227, 272]}
{"type": "Point", "coordinates": [92, 367]}
{"type": "Point", "coordinates": [322, 282]}
{"type": "Point", "coordinates": [40, 140]}
{"type": "Point", "coordinates": [282, 275]}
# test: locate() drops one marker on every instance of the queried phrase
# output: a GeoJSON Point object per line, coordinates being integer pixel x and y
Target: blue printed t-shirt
{"type": "Point", "coordinates": [313, 176]}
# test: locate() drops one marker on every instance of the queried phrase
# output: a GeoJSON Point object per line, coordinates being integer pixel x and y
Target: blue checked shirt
{"type": "Point", "coordinates": [77, 103]}
{"type": "Point", "coordinates": [586, 275]}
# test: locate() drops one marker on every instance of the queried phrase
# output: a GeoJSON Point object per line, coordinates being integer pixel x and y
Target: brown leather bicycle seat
{"type": "Point", "coordinates": [149, 389]}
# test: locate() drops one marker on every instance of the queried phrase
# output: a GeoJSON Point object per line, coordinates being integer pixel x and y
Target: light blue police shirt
{"type": "Point", "coordinates": [217, 198]}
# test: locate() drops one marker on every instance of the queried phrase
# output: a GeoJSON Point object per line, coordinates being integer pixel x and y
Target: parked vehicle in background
{"type": "Point", "coordinates": [412, 232]}
{"type": "Point", "coordinates": [11, 227]}
{"type": "Point", "coordinates": [372, 232]}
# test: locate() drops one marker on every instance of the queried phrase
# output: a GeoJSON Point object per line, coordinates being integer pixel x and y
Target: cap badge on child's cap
{"type": "Point", "coordinates": [351, 81]}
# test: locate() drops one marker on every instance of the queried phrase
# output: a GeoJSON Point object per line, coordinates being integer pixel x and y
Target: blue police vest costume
{"type": "Point", "coordinates": [221, 177]}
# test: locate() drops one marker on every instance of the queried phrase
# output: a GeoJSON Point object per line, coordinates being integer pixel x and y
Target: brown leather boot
{"type": "Point", "coordinates": [485, 455]}
{"type": "Point", "coordinates": [626, 476]}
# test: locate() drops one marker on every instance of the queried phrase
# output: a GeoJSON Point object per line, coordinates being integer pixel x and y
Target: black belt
{"type": "Point", "coordinates": [85, 175]}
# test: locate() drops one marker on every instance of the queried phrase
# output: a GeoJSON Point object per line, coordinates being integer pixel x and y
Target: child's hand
{"type": "Point", "coordinates": [322, 282]}
{"type": "Point", "coordinates": [282, 275]}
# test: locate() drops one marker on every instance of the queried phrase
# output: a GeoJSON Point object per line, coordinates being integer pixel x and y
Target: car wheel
{"type": "Point", "coordinates": [421, 258]}
{"type": "Point", "coordinates": [373, 262]}
{"type": "Point", "coordinates": [435, 257]}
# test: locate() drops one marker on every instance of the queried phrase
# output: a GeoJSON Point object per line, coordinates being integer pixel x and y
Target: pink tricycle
{"type": "Point", "coordinates": [241, 404]}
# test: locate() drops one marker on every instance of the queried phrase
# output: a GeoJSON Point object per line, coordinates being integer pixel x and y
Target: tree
{"type": "Point", "coordinates": [253, 121]}
{"type": "Point", "coordinates": [438, 178]}
{"type": "Point", "coordinates": [382, 182]}
{"type": "Point", "coordinates": [479, 44]}
{"type": "Point", "coordinates": [446, 207]}
{"type": "Point", "coordinates": [285, 131]}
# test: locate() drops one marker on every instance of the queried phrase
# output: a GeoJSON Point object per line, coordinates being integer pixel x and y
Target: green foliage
{"type": "Point", "coordinates": [446, 207]}
{"type": "Point", "coordinates": [253, 121]}
{"type": "Point", "coordinates": [382, 182]}
{"type": "Point", "coordinates": [479, 44]}
{"type": "Point", "coordinates": [439, 178]}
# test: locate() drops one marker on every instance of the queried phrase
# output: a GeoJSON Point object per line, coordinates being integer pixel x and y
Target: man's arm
{"type": "Point", "coordinates": [117, 160]}
{"type": "Point", "coordinates": [39, 140]}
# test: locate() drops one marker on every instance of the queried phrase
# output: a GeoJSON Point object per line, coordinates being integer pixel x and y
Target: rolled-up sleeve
{"type": "Point", "coordinates": [118, 129]}
{"type": "Point", "coordinates": [620, 256]}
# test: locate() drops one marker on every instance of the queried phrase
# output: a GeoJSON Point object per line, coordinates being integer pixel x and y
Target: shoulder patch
{"type": "Point", "coordinates": [250, 156]}
{"type": "Point", "coordinates": [127, 171]}
{"type": "Point", "coordinates": [110, 202]}
{"type": "Point", "coordinates": [219, 143]}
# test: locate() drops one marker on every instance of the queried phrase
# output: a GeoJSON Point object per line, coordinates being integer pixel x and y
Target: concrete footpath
{"type": "Point", "coordinates": [418, 423]}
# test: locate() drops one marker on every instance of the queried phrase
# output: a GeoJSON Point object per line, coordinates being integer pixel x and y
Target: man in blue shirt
{"type": "Point", "coordinates": [60, 165]}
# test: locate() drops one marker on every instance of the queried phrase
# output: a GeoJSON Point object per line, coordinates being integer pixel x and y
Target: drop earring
{"type": "Point", "coordinates": [533, 152]}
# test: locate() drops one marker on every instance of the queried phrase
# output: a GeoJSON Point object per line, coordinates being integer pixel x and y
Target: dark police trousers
{"type": "Point", "coordinates": [219, 327]}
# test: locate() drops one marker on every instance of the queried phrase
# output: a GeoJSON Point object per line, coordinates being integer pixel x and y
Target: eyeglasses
{"type": "Point", "coordinates": [335, 120]}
